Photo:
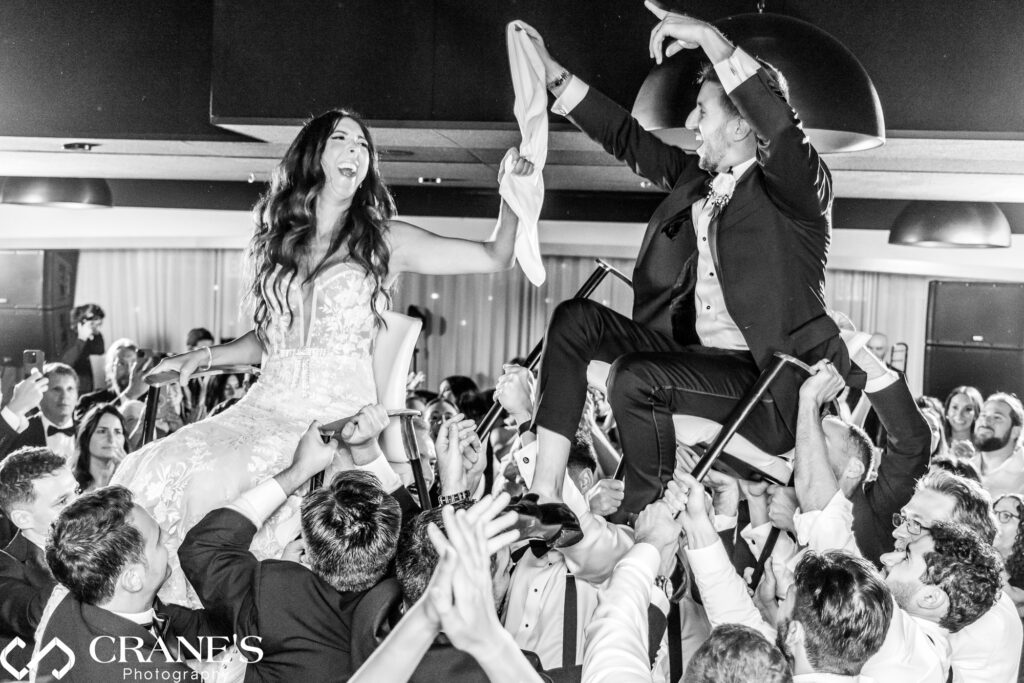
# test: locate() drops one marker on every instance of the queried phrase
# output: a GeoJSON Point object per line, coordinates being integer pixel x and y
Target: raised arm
{"type": "Point", "coordinates": [796, 178]}
{"type": "Point", "coordinates": [416, 250]}
{"type": "Point", "coordinates": [815, 481]}
{"type": "Point", "coordinates": [610, 125]}
{"type": "Point", "coordinates": [246, 350]}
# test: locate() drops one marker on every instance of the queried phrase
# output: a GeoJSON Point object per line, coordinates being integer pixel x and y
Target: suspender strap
{"type": "Point", "coordinates": [569, 623]}
{"type": "Point", "coordinates": [675, 644]}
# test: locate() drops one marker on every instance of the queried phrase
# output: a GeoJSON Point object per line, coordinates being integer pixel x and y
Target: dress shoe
{"type": "Point", "coordinates": [553, 523]}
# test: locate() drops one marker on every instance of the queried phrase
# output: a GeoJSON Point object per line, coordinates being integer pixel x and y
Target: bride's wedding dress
{"type": "Point", "coordinates": [319, 367]}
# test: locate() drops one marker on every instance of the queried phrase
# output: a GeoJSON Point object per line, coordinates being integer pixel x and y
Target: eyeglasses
{"type": "Point", "coordinates": [1005, 516]}
{"type": "Point", "coordinates": [914, 527]}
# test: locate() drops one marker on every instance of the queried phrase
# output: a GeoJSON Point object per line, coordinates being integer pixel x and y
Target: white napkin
{"type": "Point", "coordinates": [525, 194]}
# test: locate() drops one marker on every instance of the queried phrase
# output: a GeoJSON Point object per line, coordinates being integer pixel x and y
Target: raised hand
{"type": "Point", "coordinates": [823, 385]}
{"type": "Point", "coordinates": [312, 455]}
{"type": "Point", "coordinates": [782, 506]}
{"type": "Point", "coordinates": [516, 163]}
{"type": "Point", "coordinates": [514, 391]}
{"type": "Point", "coordinates": [185, 364]}
{"type": "Point", "coordinates": [606, 496]}
{"type": "Point", "coordinates": [28, 393]}
{"type": "Point", "coordinates": [367, 425]}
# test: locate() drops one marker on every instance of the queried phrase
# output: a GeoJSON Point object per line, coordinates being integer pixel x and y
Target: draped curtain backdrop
{"type": "Point", "coordinates": [477, 321]}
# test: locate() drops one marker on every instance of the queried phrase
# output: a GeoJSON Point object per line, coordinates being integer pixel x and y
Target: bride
{"type": "Point", "coordinates": [325, 253]}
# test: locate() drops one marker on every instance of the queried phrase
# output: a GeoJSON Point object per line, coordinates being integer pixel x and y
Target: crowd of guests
{"type": "Point", "coordinates": [901, 560]}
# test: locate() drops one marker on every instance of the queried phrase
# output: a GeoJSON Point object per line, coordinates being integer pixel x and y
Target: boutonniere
{"type": "Point", "coordinates": [720, 192]}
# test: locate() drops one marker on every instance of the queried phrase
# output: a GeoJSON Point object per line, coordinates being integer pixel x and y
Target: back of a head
{"type": "Point", "coordinates": [845, 609]}
{"type": "Point", "coordinates": [967, 570]}
{"type": "Point", "coordinates": [196, 335]}
{"type": "Point", "coordinates": [86, 312]}
{"type": "Point", "coordinates": [416, 558]}
{"type": "Point", "coordinates": [737, 654]}
{"type": "Point", "coordinates": [92, 541]}
{"type": "Point", "coordinates": [973, 507]}
{"type": "Point", "coordinates": [351, 530]}
{"type": "Point", "coordinates": [19, 471]}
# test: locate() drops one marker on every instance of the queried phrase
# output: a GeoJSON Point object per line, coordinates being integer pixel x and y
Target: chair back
{"type": "Point", "coordinates": [392, 357]}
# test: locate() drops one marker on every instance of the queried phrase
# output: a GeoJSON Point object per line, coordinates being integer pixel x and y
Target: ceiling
{"type": "Point", "coordinates": [918, 167]}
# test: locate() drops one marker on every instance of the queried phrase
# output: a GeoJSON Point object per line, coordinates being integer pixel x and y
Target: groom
{"type": "Point", "coordinates": [728, 272]}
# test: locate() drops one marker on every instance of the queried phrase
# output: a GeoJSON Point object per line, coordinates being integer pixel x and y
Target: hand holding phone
{"type": "Point", "coordinates": [33, 358]}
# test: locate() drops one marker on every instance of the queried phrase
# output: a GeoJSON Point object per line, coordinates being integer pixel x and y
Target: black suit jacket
{"type": "Point", "coordinates": [80, 626]}
{"type": "Point", "coordinates": [25, 586]}
{"type": "Point", "coordinates": [769, 244]}
{"type": "Point", "coordinates": [304, 622]}
{"type": "Point", "coordinates": [904, 460]}
{"type": "Point", "coordinates": [34, 435]}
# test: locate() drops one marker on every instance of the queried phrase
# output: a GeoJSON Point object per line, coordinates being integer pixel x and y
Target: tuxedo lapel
{"type": "Point", "coordinates": [674, 207]}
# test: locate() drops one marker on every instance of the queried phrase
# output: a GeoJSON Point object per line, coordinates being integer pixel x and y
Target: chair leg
{"type": "Point", "coordinates": [149, 417]}
{"type": "Point", "coordinates": [412, 450]}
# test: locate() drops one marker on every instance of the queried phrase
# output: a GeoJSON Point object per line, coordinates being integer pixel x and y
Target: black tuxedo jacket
{"type": "Point", "coordinates": [34, 435]}
{"type": "Point", "coordinates": [81, 626]}
{"type": "Point", "coordinates": [904, 459]}
{"type": "Point", "coordinates": [769, 243]}
{"type": "Point", "coordinates": [25, 586]}
{"type": "Point", "coordinates": [305, 623]}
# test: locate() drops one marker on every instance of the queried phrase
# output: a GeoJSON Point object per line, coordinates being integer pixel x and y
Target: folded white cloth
{"type": "Point", "coordinates": [525, 194]}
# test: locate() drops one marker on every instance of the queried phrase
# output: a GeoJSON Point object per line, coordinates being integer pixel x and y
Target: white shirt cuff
{"type": "Point", "coordinates": [389, 479]}
{"type": "Point", "coordinates": [878, 383]}
{"type": "Point", "coordinates": [737, 68]}
{"type": "Point", "coordinates": [573, 94]}
{"type": "Point", "coordinates": [725, 522]}
{"type": "Point", "coordinates": [17, 422]}
{"type": "Point", "coordinates": [259, 502]}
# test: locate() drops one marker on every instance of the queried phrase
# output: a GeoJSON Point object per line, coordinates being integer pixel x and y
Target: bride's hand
{"type": "Point", "coordinates": [184, 364]}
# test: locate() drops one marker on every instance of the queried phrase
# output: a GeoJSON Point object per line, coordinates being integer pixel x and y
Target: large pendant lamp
{"type": "Point", "coordinates": [951, 224]}
{"type": "Point", "coordinates": [829, 89]}
{"type": "Point", "coordinates": [70, 193]}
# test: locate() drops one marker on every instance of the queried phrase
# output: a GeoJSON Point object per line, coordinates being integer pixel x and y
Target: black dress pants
{"type": "Point", "coordinates": [652, 378]}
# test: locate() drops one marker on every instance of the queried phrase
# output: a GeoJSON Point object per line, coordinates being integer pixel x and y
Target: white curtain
{"type": "Point", "coordinates": [479, 321]}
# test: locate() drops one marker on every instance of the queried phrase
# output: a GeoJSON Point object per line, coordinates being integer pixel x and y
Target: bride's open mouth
{"type": "Point", "coordinates": [348, 169]}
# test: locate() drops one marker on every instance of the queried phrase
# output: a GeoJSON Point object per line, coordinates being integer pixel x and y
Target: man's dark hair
{"type": "Point", "coordinates": [776, 80]}
{"type": "Point", "coordinates": [961, 468]}
{"type": "Point", "coordinates": [858, 445]}
{"type": "Point", "coordinates": [973, 506]}
{"type": "Point", "coordinates": [1016, 409]}
{"type": "Point", "coordinates": [735, 653]}
{"type": "Point", "coordinates": [351, 530]}
{"type": "Point", "coordinates": [196, 335]}
{"type": "Point", "coordinates": [51, 370]}
{"type": "Point", "coordinates": [967, 570]}
{"type": "Point", "coordinates": [19, 471]}
{"type": "Point", "coordinates": [581, 455]}
{"type": "Point", "coordinates": [845, 609]}
{"type": "Point", "coordinates": [416, 557]}
{"type": "Point", "coordinates": [92, 541]}
{"type": "Point", "coordinates": [86, 312]}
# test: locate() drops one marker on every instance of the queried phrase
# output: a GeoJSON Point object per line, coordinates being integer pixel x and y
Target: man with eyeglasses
{"type": "Point", "coordinates": [997, 440]}
{"type": "Point", "coordinates": [988, 649]}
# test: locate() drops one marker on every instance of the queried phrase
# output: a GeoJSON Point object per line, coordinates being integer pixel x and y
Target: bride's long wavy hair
{"type": "Point", "coordinates": [285, 220]}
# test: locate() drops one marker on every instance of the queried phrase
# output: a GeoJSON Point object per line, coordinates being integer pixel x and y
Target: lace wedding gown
{"type": "Point", "coordinates": [324, 373]}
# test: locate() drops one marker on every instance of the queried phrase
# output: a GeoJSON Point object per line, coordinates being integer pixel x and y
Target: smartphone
{"type": "Point", "coordinates": [33, 358]}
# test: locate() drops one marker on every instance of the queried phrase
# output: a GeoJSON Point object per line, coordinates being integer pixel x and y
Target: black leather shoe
{"type": "Point", "coordinates": [553, 523]}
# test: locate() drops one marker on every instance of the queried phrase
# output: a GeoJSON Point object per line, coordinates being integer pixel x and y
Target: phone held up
{"type": "Point", "coordinates": [33, 358]}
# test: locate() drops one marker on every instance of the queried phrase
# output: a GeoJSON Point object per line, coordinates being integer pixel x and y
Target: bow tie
{"type": "Point", "coordinates": [538, 548]}
{"type": "Point", "coordinates": [66, 431]}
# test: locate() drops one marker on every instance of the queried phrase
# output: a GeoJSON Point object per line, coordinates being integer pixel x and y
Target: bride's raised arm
{"type": "Point", "coordinates": [416, 250]}
{"type": "Point", "coordinates": [246, 350]}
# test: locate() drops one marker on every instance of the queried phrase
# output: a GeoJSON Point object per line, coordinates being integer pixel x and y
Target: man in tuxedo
{"type": "Point", "coordinates": [54, 425]}
{"type": "Point", "coordinates": [109, 555]}
{"type": "Point", "coordinates": [35, 485]}
{"type": "Point", "coordinates": [303, 610]}
{"type": "Point", "coordinates": [725, 276]}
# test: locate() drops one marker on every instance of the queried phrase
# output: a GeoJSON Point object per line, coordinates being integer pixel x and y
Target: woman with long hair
{"type": "Point", "coordinates": [323, 258]}
{"type": "Point", "coordinates": [102, 445]}
{"type": "Point", "coordinates": [1009, 542]}
{"type": "Point", "coordinates": [962, 407]}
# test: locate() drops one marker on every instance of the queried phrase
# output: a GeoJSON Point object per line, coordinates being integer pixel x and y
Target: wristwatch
{"type": "Point", "coordinates": [453, 498]}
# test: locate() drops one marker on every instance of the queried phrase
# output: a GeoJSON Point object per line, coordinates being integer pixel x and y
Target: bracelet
{"type": "Point", "coordinates": [454, 498]}
{"type": "Point", "coordinates": [209, 359]}
{"type": "Point", "coordinates": [559, 79]}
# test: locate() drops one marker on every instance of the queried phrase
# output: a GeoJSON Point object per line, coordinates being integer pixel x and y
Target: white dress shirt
{"type": "Point", "coordinates": [988, 651]}
{"type": "Point", "coordinates": [534, 615]}
{"type": "Point", "coordinates": [617, 635]}
{"type": "Point", "coordinates": [63, 445]}
{"type": "Point", "coordinates": [17, 422]}
{"type": "Point", "coordinates": [1008, 477]}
